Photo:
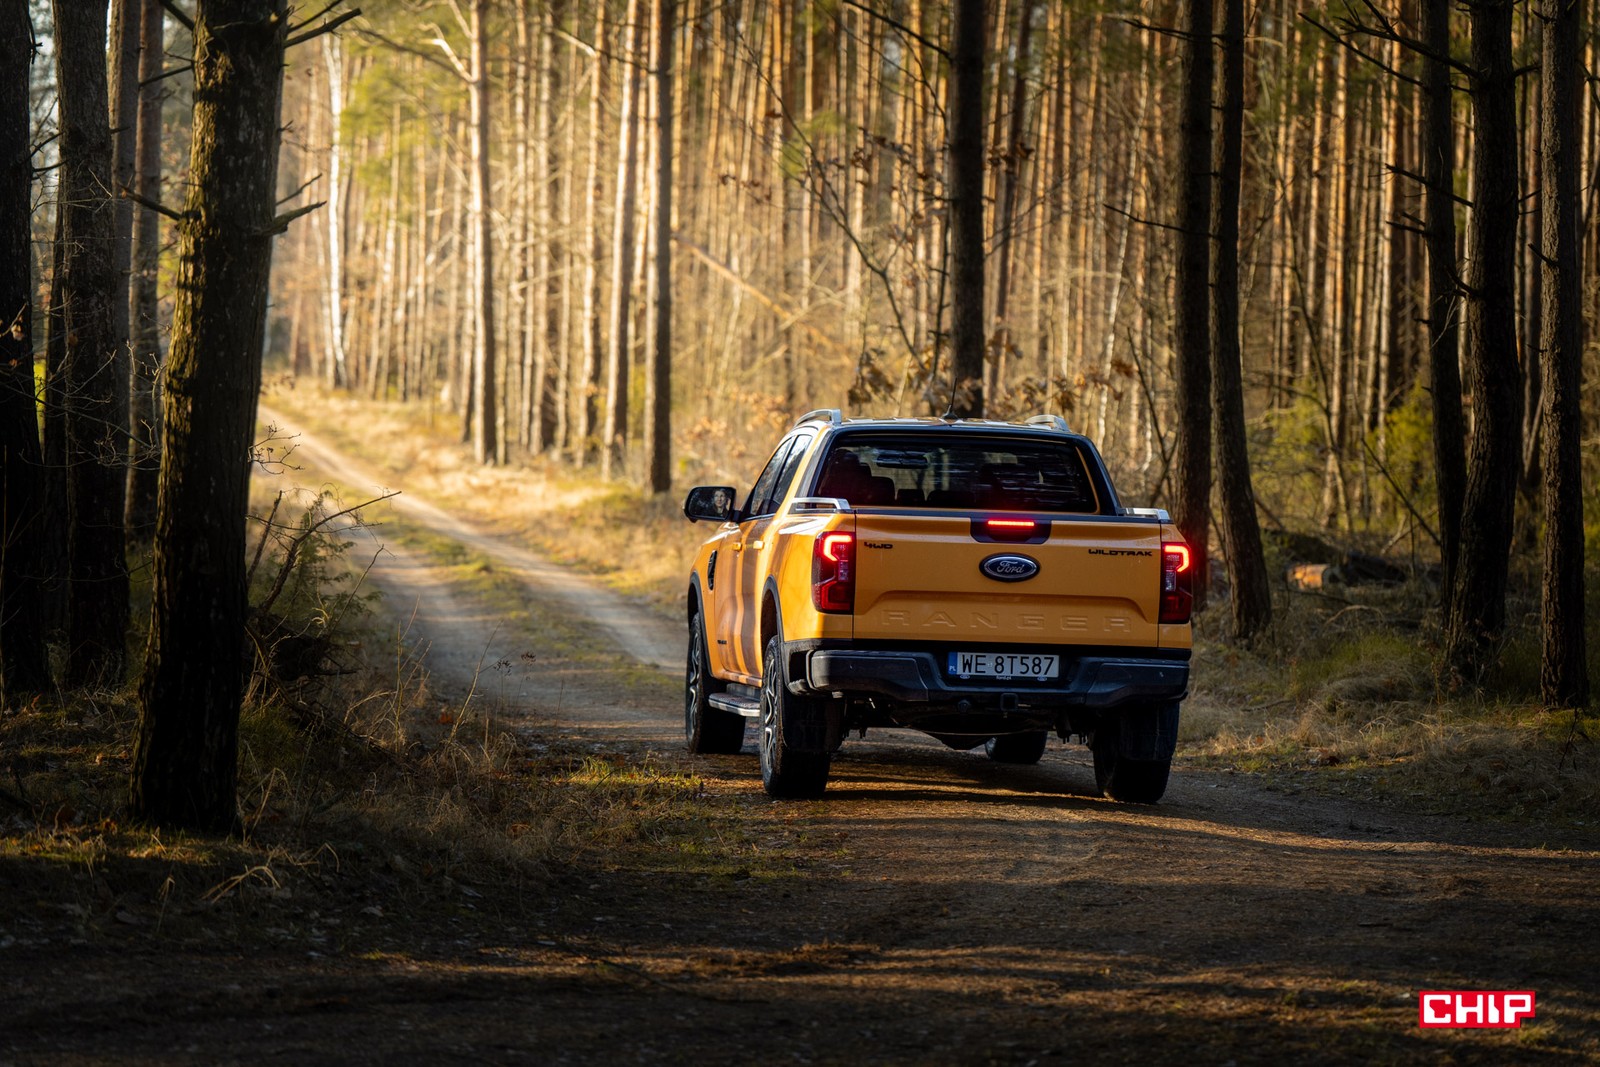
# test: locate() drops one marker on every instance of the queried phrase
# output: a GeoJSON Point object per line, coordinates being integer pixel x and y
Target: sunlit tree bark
{"type": "Point", "coordinates": [185, 765]}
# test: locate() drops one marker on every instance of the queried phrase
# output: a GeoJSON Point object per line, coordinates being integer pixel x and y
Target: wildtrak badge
{"type": "Point", "coordinates": [1121, 552]}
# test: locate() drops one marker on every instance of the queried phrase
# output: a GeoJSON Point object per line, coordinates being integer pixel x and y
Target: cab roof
{"type": "Point", "coordinates": [834, 417]}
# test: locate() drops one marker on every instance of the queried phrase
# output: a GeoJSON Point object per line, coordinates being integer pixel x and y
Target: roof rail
{"type": "Point", "coordinates": [832, 416]}
{"type": "Point", "coordinates": [1055, 422]}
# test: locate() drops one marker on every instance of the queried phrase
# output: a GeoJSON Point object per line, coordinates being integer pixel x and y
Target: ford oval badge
{"type": "Point", "coordinates": [1009, 567]}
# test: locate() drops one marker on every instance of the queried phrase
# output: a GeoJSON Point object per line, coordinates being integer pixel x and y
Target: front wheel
{"type": "Point", "coordinates": [785, 773]}
{"type": "Point", "coordinates": [706, 729]}
{"type": "Point", "coordinates": [1017, 748]}
{"type": "Point", "coordinates": [1131, 781]}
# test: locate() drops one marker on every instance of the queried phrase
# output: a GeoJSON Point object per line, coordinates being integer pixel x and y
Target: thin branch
{"type": "Point", "coordinates": [1343, 41]}
{"type": "Point", "coordinates": [297, 27]}
{"type": "Point", "coordinates": [1148, 27]}
{"type": "Point", "coordinates": [158, 208]}
{"type": "Point", "coordinates": [293, 552]}
{"type": "Point", "coordinates": [1423, 181]}
{"type": "Point", "coordinates": [932, 46]}
{"type": "Point", "coordinates": [177, 13]}
{"type": "Point", "coordinates": [427, 56]}
{"type": "Point", "coordinates": [1142, 221]}
{"type": "Point", "coordinates": [281, 223]}
{"type": "Point", "coordinates": [326, 27]}
{"type": "Point", "coordinates": [168, 73]}
{"type": "Point", "coordinates": [588, 48]}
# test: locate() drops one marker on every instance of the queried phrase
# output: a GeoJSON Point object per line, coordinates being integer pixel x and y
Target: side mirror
{"type": "Point", "coordinates": [713, 502]}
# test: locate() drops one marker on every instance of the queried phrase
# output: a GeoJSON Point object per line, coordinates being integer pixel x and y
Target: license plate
{"type": "Point", "coordinates": [1004, 665]}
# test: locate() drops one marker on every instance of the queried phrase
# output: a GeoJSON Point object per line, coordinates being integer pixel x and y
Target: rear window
{"type": "Point", "coordinates": [991, 473]}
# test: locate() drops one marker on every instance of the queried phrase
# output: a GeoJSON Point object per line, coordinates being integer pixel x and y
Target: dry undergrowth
{"type": "Point", "coordinates": [363, 797]}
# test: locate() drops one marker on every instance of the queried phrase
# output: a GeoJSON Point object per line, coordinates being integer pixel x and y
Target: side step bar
{"type": "Point", "coordinates": [748, 706]}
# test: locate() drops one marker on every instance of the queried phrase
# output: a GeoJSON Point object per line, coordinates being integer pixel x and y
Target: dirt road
{"type": "Point", "coordinates": [933, 908]}
{"type": "Point", "coordinates": [970, 912]}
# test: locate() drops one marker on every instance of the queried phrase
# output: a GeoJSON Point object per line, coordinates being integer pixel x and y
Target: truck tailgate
{"type": "Point", "coordinates": [920, 576]}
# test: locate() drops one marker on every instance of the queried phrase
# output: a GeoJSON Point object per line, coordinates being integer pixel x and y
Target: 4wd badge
{"type": "Point", "coordinates": [1010, 568]}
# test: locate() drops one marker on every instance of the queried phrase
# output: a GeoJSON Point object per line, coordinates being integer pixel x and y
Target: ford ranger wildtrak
{"type": "Point", "coordinates": [978, 581]}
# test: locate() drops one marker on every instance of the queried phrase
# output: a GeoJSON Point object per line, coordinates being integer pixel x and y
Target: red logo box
{"type": "Point", "coordinates": [1474, 1009]}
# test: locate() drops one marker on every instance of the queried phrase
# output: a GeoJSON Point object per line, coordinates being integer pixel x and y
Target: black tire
{"type": "Point", "coordinates": [706, 729]}
{"type": "Point", "coordinates": [1130, 781]}
{"type": "Point", "coordinates": [1017, 748]}
{"type": "Point", "coordinates": [785, 773]}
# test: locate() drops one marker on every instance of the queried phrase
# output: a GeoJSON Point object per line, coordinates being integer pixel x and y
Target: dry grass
{"type": "Point", "coordinates": [1343, 696]}
{"type": "Point", "coordinates": [363, 797]}
{"type": "Point", "coordinates": [639, 544]}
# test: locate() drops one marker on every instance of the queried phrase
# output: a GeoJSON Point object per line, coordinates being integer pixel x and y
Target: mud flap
{"type": "Point", "coordinates": [1147, 731]}
{"type": "Point", "coordinates": [813, 725]}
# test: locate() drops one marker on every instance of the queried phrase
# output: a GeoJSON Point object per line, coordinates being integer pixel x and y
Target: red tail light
{"type": "Point", "coordinates": [833, 572]}
{"type": "Point", "coordinates": [1177, 593]}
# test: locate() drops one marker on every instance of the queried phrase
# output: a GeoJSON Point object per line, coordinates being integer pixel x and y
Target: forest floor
{"type": "Point", "coordinates": [934, 908]}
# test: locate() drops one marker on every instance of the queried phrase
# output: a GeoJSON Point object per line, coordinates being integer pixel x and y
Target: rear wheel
{"type": "Point", "coordinates": [1132, 781]}
{"type": "Point", "coordinates": [1017, 748]}
{"type": "Point", "coordinates": [706, 729]}
{"type": "Point", "coordinates": [785, 773]}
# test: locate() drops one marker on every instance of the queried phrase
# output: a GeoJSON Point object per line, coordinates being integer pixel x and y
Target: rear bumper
{"type": "Point", "coordinates": [1088, 682]}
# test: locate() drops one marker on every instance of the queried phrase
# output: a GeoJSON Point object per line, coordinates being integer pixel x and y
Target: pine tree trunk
{"type": "Point", "coordinates": [1563, 673]}
{"type": "Point", "coordinates": [24, 664]}
{"type": "Point", "coordinates": [1439, 153]}
{"type": "Point", "coordinates": [619, 346]}
{"type": "Point", "coordinates": [144, 417]}
{"type": "Point", "coordinates": [1478, 602]}
{"type": "Point", "coordinates": [486, 444]}
{"type": "Point", "coordinates": [97, 572]}
{"type": "Point", "coordinates": [658, 404]}
{"type": "Point", "coordinates": [583, 443]}
{"type": "Point", "coordinates": [185, 759]}
{"type": "Point", "coordinates": [1241, 532]}
{"type": "Point", "coordinates": [965, 187]}
{"type": "Point", "coordinates": [1192, 310]}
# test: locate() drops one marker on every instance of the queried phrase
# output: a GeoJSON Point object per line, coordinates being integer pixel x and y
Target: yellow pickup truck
{"type": "Point", "coordinates": [975, 580]}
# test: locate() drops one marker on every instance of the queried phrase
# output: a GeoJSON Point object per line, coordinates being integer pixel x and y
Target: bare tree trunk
{"type": "Point", "coordinates": [1192, 313]}
{"type": "Point", "coordinates": [658, 404]}
{"type": "Point", "coordinates": [24, 662]}
{"type": "Point", "coordinates": [1010, 177]}
{"type": "Point", "coordinates": [97, 571]}
{"type": "Point", "coordinates": [1241, 533]}
{"type": "Point", "coordinates": [486, 444]}
{"type": "Point", "coordinates": [1478, 602]}
{"type": "Point", "coordinates": [968, 24]}
{"type": "Point", "coordinates": [623, 230]}
{"type": "Point", "coordinates": [185, 758]}
{"type": "Point", "coordinates": [333, 59]}
{"type": "Point", "coordinates": [589, 382]}
{"type": "Point", "coordinates": [1439, 153]}
{"type": "Point", "coordinates": [144, 402]}
{"type": "Point", "coordinates": [123, 86]}
{"type": "Point", "coordinates": [1563, 672]}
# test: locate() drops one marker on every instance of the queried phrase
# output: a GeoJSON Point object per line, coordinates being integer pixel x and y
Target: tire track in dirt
{"type": "Point", "coordinates": [466, 647]}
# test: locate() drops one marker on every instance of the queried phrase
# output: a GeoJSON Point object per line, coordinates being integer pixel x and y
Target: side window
{"type": "Point", "coordinates": [791, 466]}
{"type": "Point", "coordinates": [756, 503]}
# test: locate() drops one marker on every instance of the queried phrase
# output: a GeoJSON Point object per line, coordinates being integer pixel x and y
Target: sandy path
{"type": "Point", "coordinates": [466, 647]}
